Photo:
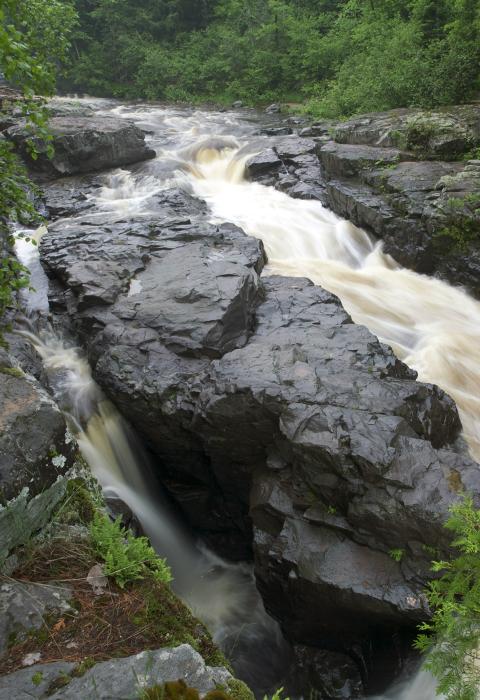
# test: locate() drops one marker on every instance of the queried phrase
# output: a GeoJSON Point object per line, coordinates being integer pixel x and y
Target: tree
{"type": "Point", "coordinates": [33, 40]}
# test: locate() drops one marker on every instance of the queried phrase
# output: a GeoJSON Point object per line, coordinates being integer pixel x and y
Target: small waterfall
{"type": "Point", "coordinates": [433, 327]}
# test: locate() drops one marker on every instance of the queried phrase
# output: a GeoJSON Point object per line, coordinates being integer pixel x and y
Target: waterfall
{"type": "Point", "coordinates": [433, 327]}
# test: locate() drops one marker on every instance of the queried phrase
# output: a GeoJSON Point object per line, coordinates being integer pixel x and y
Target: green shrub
{"type": "Point", "coordinates": [127, 558]}
{"type": "Point", "coordinates": [452, 637]}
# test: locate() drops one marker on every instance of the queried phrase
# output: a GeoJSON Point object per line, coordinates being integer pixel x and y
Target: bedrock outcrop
{"type": "Point", "coordinates": [276, 422]}
{"type": "Point", "coordinates": [81, 144]}
{"type": "Point", "coordinates": [409, 177]}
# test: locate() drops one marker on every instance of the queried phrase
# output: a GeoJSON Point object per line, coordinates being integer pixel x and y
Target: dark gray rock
{"type": "Point", "coordinates": [84, 144]}
{"type": "Point", "coordinates": [326, 675]}
{"type": "Point", "coordinates": [273, 108]}
{"type": "Point", "coordinates": [235, 384]}
{"type": "Point", "coordinates": [34, 443]}
{"type": "Point", "coordinates": [376, 174]}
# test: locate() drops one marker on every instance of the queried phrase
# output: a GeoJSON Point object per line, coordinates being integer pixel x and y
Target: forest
{"type": "Point", "coordinates": [338, 57]}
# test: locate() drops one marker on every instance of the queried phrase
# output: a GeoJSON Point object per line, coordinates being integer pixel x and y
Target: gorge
{"type": "Point", "coordinates": [266, 353]}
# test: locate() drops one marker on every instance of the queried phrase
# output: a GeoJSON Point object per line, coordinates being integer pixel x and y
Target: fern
{"type": "Point", "coordinates": [127, 558]}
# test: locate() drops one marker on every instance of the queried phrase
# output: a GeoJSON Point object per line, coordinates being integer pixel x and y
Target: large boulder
{"type": "Point", "coordinates": [82, 144]}
{"type": "Point", "coordinates": [275, 420]}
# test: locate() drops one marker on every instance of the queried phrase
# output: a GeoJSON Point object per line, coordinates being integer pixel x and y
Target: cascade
{"type": "Point", "coordinates": [431, 326]}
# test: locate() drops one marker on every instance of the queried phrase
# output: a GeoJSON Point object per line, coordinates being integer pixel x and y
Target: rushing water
{"type": "Point", "coordinates": [432, 326]}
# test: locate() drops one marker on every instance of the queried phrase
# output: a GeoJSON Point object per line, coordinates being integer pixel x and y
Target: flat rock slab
{"type": "Point", "coordinates": [84, 144]}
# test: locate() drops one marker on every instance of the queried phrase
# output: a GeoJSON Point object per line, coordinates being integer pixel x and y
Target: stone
{"type": "Point", "coordinates": [34, 443]}
{"type": "Point", "coordinates": [123, 679]}
{"type": "Point", "coordinates": [23, 607]}
{"type": "Point", "coordinates": [273, 108]}
{"type": "Point", "coordinates": [34, 681]}
{"type": "Point", "coordinates": [327, 674]}
{"type": "Point", "coordinates": [83, 144]}
{"type": "Point", "coordinates": [23, 516]}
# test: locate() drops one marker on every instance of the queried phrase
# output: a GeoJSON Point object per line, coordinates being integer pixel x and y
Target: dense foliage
{"type": "Point", "coordinates": [33, 39]}
{"type": "Point", "coordinates": [341, 56]}
{"type": "Point", "coordinates": [452, 638]}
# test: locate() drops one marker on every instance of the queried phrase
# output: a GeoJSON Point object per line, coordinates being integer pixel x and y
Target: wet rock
{"type": "Point", "coordinates": [266, 162]}
{"type": "Point", "coordinates": [347, 455]}
{"type": "Point", "coordinates": [34, 443]}
{"type": "Point", "coordinates": [327, 675]}
{"type": "Point", "coordinates": [273, 108]}
{"type": "Point", "coordinates": [83, 144]}
{"type": "Point", "coordinates": [277, 131]}
{"type": "Point", "coordinates": [23, 608]}
{"type": "Point", "coordinates": [238, 104]}
{"type": "Point", "coordinates": [397, 175]}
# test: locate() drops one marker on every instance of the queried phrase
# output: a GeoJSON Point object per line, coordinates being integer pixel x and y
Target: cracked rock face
{"type": "Point", "coordinates": [277, 422]}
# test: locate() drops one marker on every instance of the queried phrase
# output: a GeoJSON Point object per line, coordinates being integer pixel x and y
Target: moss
{"type": "Point", "coordinates": [37, 678]}
{"type": "Point", "coordinates": [12, 372]}
{"type": "Point", "coordinates": [78, 506]}
{"type": "Point", "coordinates": [169, 619]}
{"type": "Point", "coordinates": [83, 667]}
{"type": "Point", "coordinates": [455, 481]}
{"type": "Point", "coordinates": [58, 683]}
{"type": "Point", "coordinates": [462, 229]}
{"type": "Point", "coordinates": [238, 690]}
{"type": "Point", "coordinates": [178, 690]}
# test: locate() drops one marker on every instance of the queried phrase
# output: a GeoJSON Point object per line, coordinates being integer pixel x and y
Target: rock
{"type": "Point", "coordinates": [443, 133]}
{"type": "Point", "coordinates": [376, 174]}
{"type": "Point", "coordinates": [33, 682]}
{"type": "Point", "coordinates": [24, 516]}
{"type": "Point", "coordinates": [277, 131]}
{"type": "Point", "coordinates": [301, 423]}
{"type": "Point", "coordinates": [123, 679]}
{"type": "Point", "coordinates": [273, 108]}
{"type": "Point", "coordinates": [238, 104]}
{"type": "Point", "coordinates": [266, 162]}
{"type": "Point", "coordinates": [23, 607]}
{"type": "Point", "coordinates": [344, 160]}
{"type": "Point", "coordinates": [84, 144]}
{"type": "Point", "coordinates": [35, 446]}
{"type": "Point", "coordinates": [327, 675]}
